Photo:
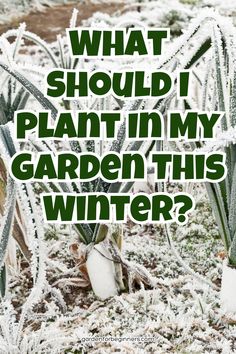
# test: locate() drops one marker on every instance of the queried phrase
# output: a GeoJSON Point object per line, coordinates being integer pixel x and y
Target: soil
{"type": "Point", "coordinates": [53, 20]}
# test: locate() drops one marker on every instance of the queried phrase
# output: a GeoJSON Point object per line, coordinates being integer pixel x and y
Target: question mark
{"type": "Point", "coordinates": [188, 205]}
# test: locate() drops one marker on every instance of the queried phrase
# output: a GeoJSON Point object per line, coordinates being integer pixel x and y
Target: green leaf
{"type": "Point", "coordinates": [3, 281]}
{"type": "Point", "coordinates": [218, 207]}
{"type": "Point", "coordinates": [46, 104]}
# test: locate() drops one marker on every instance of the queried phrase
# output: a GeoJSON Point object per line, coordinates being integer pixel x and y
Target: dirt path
{"type": "Point", "coordinates": [53, 20]}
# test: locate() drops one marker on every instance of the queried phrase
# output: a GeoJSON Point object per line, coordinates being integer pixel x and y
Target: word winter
{"type": "Point", "coordinates": [92, 207]}
{"type": "Point", "coordinates": [95, 42]}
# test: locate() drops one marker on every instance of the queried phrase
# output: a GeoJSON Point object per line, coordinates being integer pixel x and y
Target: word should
{"type": "Point", "coordinates": [73, 84]}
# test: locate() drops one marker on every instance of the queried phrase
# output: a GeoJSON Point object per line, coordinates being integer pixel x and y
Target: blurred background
{"type": "Point", "coordinates": [47, 18]}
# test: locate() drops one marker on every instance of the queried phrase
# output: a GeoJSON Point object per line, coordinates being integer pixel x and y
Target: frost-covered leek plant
{"type": "Point", "coordinates": [211, 45]}
{"type": "Point", "coordinates": [204, 41]}
{"type": "Point", "coordinates": [12, 218]}
{"type": "Point", "coordinates": [102, 244]}
{"type": "Point", "coordinates": [215, 89]}
{"type": "Point", "coordinates": [103, 252]}
{"type": "Point", "coordinates": [218, 88]}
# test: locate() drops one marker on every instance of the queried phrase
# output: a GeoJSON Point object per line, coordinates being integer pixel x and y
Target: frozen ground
{"type": "Point", "coordinates": [52, 14]}
{"type": "Point", "coordinates": [15, 8]}
{"type": "Point", "coordinates": [181, 314]}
